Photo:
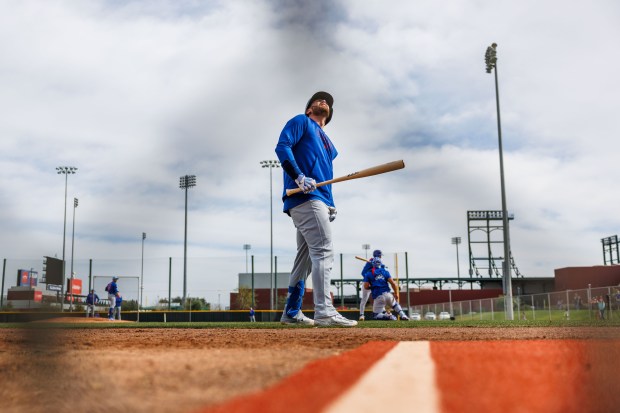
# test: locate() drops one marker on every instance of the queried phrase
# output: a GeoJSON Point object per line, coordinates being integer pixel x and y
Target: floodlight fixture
{"type": "Point", "coordinates": [186, 182]}
{"type": "Point", "coordinates": [270, 164]}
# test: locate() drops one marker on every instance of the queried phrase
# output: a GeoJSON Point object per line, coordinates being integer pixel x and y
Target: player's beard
{"type": "Point", "coordinates": [319, 110]}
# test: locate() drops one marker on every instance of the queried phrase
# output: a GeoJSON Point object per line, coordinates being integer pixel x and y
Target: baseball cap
{"type": "Point", "coordinates": [377, 253]}
{"type": "Point", "coordinates": [114, 278]}
{"type": "Point", "coordinates": [328, 98]}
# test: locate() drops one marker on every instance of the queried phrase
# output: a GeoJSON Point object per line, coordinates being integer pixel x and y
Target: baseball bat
{"type": "Point", "coordinates": [365, 260]}
{"type": "Point", "coordinates": [375, 170]}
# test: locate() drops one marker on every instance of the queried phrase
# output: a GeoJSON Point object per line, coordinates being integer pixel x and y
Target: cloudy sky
{"type": "Point", "coordinates": [136, 94]}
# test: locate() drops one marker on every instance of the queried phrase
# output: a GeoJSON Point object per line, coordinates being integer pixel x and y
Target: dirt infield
{"type": "Point", "coordinates": [182, 370]}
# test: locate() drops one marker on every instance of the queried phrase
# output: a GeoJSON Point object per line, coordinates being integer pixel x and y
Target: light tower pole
{"type": "Point", "coordinates": [186, 182]}
{"type": "Point", "coordinates": [142, 272]}
{"type": "Point", "coordinates": [246, 247]}
{"type": "Point", "coordinates": [75, 204]}
{"type": "Point", "coordinates": [456, 241]}
{"type": "Point", "coordinates": [270, 164]}
{"type": "Point", "coordinates": [491, 63]}
{"type": "Point", "coordinates": [66, 171]}
{"type": "Point", "coordinates": [366, 247]}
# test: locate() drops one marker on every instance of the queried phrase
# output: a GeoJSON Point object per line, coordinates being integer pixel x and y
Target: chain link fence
{"type": "Point", "coordinates": [599, 303]}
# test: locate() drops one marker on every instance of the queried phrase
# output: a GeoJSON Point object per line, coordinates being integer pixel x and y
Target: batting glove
{"type": "Point", "coordinates": [305, 183]}
{"type": "Point", "coordinates": [332, 214]}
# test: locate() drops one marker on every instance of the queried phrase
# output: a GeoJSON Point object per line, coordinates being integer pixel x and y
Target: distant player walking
{"type": "Point", "coordinates": [379, 280]}
{"type": "Point", "coordinates": [112, 290]}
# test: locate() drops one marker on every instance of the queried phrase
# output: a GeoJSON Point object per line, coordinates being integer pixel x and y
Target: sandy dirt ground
{"type": "Point", "coordinates": [182, 370]}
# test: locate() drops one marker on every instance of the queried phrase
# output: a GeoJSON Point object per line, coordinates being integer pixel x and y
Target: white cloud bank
{"type": "Point", "coordinates": [136, 94]}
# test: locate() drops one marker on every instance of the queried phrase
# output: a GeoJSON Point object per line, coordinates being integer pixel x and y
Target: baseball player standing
{"type": "Point", "coordinates": [379, 280]}
{"type": "Point", "coordinates": [306, 153]}
{"type": "Point", "coordinates": [365, 292]}
{"type": "Point", "coordinates": [92, 299]}
{"type": "Point", "coordinates": [112, 290]}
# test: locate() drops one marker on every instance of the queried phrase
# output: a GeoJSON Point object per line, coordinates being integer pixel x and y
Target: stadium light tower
{"type": "Point", "coordinates": [66, 171]}
{"type": "Point", "coordinates": [186, 182]}
{"type": "Point", "coordinates": [366, 247]}
{"type": "Point", "coordinates": [75, 204]}
{"type": "Point", "coordinates": [491, 63]}
{"type": "Point", "coordinates": [456, 241]}
{"type": "Point", "coordinates": [246, 247]}
{"type": "Point", "coordinates": [142, 273]}
{"type": "Point", "coordinates": [271, 164]}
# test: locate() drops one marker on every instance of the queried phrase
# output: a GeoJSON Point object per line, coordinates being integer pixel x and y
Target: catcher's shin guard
{"type": "Point", "coordinates": [397, 308]}
{"type": "Point", "coordinates": [383, 316]}
{"type": "Point", "coordinates": [294, 299]}
{"type": "Point", "coordinates": [399, 311]}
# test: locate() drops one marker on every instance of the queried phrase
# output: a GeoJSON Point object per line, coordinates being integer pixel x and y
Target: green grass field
{"type": "Point", "coordinates": [459, 323]}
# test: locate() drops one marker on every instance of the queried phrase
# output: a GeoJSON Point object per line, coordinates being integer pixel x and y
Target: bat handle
{"type": "Point", "coordinates": [293, 191]}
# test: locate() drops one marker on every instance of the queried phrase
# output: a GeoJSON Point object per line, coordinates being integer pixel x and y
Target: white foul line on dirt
{"type": "Point", "coordinates": [404, 379]}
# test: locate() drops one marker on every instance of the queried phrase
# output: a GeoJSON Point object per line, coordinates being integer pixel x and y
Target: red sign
{"type": "Point", "coordinates": [24, 277]}
{"type": "Point", "coordinates": [76, 286]}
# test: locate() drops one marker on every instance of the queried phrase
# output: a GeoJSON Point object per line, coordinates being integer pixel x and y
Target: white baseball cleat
{"type": "Point", "coordinates": [299, 319]}
{"type": "Point", "coordinates": [362, 317]}
{"type": "Point", "coordinates": [336, 321]}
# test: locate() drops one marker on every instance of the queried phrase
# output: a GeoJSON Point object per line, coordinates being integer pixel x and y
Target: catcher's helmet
{"type": "Point", "coordinates": [328, 98]}
{"type": "Point", "coordinates": [377, 253]}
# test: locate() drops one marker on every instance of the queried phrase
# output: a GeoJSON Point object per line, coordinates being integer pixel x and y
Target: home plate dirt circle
{"type": "Point", "coordinates": [457, 376]}
{"type": "Point", "coordinates": [196, 368]}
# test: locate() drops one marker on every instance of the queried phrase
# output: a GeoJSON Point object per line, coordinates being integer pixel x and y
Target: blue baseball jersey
{"type": "Point", "coordinates": [366, 268]}
{"type": "Point", "coordinates": [378, 279]}
{"type": "Point", "coordinates": [92, 300]}
{"type": "Point", "coordinates": [369, 265]}
{"type": "Point", "coordinates": [304, 148]}
{"type": "Point", "coordinates": [112, 288]}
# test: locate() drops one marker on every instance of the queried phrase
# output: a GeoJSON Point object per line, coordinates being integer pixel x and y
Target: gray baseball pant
{"type": "Point", "coordinates": [112, 299]}
{"type": "Point", "coordinates": [315, 254]}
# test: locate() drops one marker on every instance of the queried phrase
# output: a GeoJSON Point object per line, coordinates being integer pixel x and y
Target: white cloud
{"type": "Point", "coordinates": [136, 94]}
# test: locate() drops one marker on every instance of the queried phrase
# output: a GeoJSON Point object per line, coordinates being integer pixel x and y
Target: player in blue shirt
{"type": "Point", "coordinates": [112, 290]}
{"type": "Point", "coordinates": [118, 302]}
{"type": "Point", "coordinates": [379, 280]}
{"type": "Point", "coordinates": [91, 300]}
{"type": "Point", "coordinates": [306, 154]}
{"type": "Point", "coordinates": [365, 292]}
